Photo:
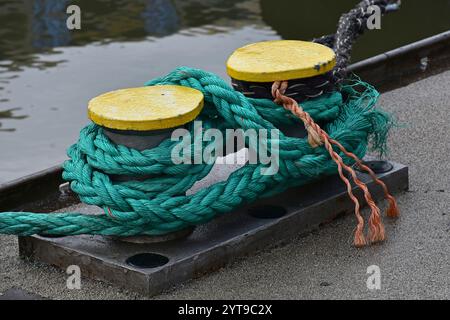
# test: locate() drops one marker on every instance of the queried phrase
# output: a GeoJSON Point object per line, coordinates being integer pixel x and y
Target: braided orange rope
{"type": "Point", "coordinates": [317, 137]}
{"type": "Point", "coordinates": [392, 210]}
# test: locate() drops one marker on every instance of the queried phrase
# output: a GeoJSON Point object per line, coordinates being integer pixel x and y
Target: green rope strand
{"type": "Point", "coordinates": [159, 204]}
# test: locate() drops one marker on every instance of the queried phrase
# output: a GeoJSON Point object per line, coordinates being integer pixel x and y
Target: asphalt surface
{"type": "Point", "coordinates": [414, 262]}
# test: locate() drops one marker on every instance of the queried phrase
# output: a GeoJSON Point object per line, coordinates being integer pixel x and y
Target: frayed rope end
{"type": "Point", "coordinates": [360, 240]}
{"type": "Point", "coordinates": [392, 210]}
{"type": "Point", "coordinates": [376, 228]}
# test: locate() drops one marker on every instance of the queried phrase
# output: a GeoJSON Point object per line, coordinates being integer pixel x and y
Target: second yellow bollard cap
{"type": "Point", "coordinates": [279, 60]}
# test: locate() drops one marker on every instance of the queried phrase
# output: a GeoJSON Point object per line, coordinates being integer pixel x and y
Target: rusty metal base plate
{"type": "Point", "coordinates": [152, 268]}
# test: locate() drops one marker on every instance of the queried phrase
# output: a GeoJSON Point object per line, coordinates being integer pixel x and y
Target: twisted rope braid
{"type": "Point", "coordinates": [159, 204]}
{"type": "Point", "coordinates": [351, 25]}
{"type": "Point", "coordinates": [317, 137]}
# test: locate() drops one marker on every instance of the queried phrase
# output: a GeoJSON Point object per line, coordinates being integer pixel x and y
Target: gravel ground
{"type": "Point", "coordinates": [414, 261]}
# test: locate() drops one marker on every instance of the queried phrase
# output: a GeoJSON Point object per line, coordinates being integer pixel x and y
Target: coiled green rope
{"type": "Point", "coordinates": [160, 205]}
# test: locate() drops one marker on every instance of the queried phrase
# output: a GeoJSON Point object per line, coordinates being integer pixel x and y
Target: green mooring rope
{"type": "Point", "coordinates": [160, 205]}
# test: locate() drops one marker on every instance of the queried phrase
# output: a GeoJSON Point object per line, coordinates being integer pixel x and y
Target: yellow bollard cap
{"type": "Point", "coordinates": [279, 60]}
{"type": "Point", "coordinates": [146, 108]}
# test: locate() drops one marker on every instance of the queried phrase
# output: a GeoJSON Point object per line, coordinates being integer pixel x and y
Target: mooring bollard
{"type": "Point", "coordinates": [141, 118]}
{"type": "Point", "coordinates": [306, 65]}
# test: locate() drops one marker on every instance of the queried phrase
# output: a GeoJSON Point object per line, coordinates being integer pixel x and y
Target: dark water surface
{"type": "Point", "coordinates": [48, 73]}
